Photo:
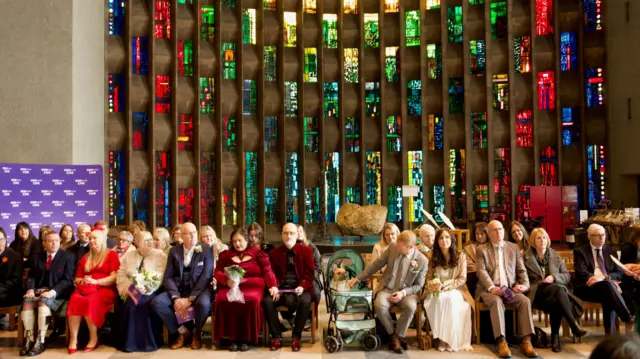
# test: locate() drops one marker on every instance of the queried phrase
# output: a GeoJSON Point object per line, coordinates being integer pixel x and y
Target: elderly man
{"type": "Point", "coordinates": [399, 286]}
{"type": "Point", "coordinates": [186, 284]}
{"type": "Point", "coordinates": [81, 247]}
{"type": "Point", "coordinates": [293, 266]}
{"type": "Point", "coordinates": [125, 239]}
{"type": "Point", "coordinates": [597, 278]}
{"type": "Point", "coordinates": [502, 280]}
{"type": "Point", "coordinates": [427, 235]}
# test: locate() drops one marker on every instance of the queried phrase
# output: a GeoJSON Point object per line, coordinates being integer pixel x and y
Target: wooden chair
{"type": "Point", "coordinates": [481, 307]}
{"type": "Point", "coordinates": [596, 308]}
{"type": "Point", "coordinates": [11, 312]}
{"type": "Point", "coordinates": [314, 324]}
{"type": "Point", "coordinates": [424, 340]}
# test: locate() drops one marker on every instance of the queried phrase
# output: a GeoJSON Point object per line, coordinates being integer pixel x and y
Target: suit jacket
{"type": "Point", "coordinates": [26, 250]}
{"type": "Point", "coordinates": [304, 265]}
{"type": "Point", "coordinates": [556, 268]}
{"type": "Point", "coordinates": [61, 273]}
{"type": "Point", "coordinates": [584, 266]}
{"type": "Point", "coordinates": [487, 264]}
{"type": "Point", "coordinates": [78, 251]}
{"type": "Point", "coordinates": [11, 264]}
{"type": "Point", "coordinates": [413, 280]}
{"type": "Point", "coordinates": [459, 281]}
{"type": "Point", "coordinates": [201, 270]}
{"type": "Point", "coordinates": [470, 254]}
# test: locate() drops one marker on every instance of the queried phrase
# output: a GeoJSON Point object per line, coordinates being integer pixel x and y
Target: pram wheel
{"type": "Point", "coordinates": [332, 344]}
{"type": "Point", "coordinates": [370, 342]}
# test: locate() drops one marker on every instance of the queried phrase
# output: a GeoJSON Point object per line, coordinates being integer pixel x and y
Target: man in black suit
{"type": "Point", "coordinates": [81, 247]}
{"type": "Point", "coordinates": [597, 278]}
{"type": "Point", "coordinates": [186, 283]}
{"type": "Point", "coordinates": [49, 286]}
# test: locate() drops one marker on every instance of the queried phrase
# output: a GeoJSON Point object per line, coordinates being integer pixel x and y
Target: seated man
{"type": "Point", "coordinates": [501, 273]}
{"type": "Point", "coordinates": [399, 285]}
{"type": "Point", "coordinates": [187, 279]}
{"type": "Point", "coordinates": [293, 266]}
{"type": "Point", "coordinates": [81, 247]}
{"type": "Point", "coordinates": [49, 286]}
{"type": "Point", "coordinates": [597, 278]}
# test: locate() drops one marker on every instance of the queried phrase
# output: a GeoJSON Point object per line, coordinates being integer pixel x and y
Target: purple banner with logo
{"type": "Point", "coordinates": [49, 195]}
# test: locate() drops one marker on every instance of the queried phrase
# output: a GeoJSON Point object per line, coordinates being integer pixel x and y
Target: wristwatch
{"type": "Point", "coordinates": [192, 299]}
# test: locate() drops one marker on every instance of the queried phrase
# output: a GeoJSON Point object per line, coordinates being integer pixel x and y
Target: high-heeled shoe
{"type": "Point", "coordinates": [89, 349]}
{"type": "Point", "coordinates": [555, 343]}
{"type": "Point", "coordinates": [72, 351]}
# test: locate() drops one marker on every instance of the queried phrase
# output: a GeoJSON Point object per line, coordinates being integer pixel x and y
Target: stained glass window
{"type": "Point", "coordinates": [116, 17]}
{"type": "Point", "coordinates": [140, 122]}
{"type": "Point", "coordinates": [502, 181]}
{"type": "Point", "coordinates": [352, 195]}
{"type": "Point", "coordinates": [394, 195]}
{"type": "Point", "coordinates": [207, 187]}
{"type": "Point", "coordinates": [249, 28]}
{"type": "Point", "coordinates": [290, 98]}
{"type": "Point", "coordinates": [207, 23]}
{"type": "Point", "coordinates": [330, 99]}
{"type": "Point", "coordinates": [414, 167]}
{"type": "Point", "coordinates": [311, 64]}
{"type": "Point", "coordinates": [116, 92]}
{"type": "Point", "coordinates": [351, 73]}
{"type": "Point", "coordinates": [549, 166]}
{"type": "Point", "coordinates": [481, 201]}
{"type": "Point", "coordinates": [391, 5]}
{"type": "Point", "coordinates": [414, 97]}
{"type": "Point", "coordinates": [433, 4]}
{"type": "Point", "coordinates": [522, 54]}
{"type": "Point", "coordinates": [568, 51]}
{"type": "Point", "coordinates": [229, 4]}
{"type": "Point", "coordinates": [249, 100]}
{"type": "Point", "coordinates": [592, 15]}
{"type": "Point", "coordinates": [434, 61]}
{"type": "Point", "coordinates": [456, 95]}
{"type": "Point", "coordinates": [454, 23]}
{"type": "Point", "coordinates": [271, 205]}
{"type": "Point", "coordinates": [163, 187]}
{"type": "Point", "coordinates": [476, 2]}
{"type": "Point", "coordinates": [185, 205]}
{"type": "Point", "coordinates": [229, 131]}
{"type": "Point", "coordinates": [310, 7]}
{"type": "Point", "coordinates": [139, 55]}
{"type": "Point", "coordinates": [251, 186]}
{"type": "Point", "coordinates": [436, 132]}
{"type": "Point", "coordinates": [546, 90]}
{"type": "Point", "coordinates": [185, 58]}
{"type": "Point", "coordinates": [477, 57]}
{"type": "Point", "coordinates": [523, 202]}
{"type": "Point", "coordinates": [332, 184]}
{"type": "Point", "coordinates": [190, 2]}
{"type": "Point", "coordinates": [292, 187]}
{"type": "Point", "coordinates": [479, 129]}
{"type": "Point", "coordinates": [498, 19]}
{"type": "Point", "coordinates": [373, 175]}
{"type": "Point", "coordinates": [501, 92]}
{"type": "Point", "coordinates": [372, 98]}
{"type": "Point", "coordinates": [311, 131]}
{"type": "Point", "coordinates": [269, 5]}
{"type": "Point", "coordinates": [271, 134]}
{"type": "Point", "coordinates": [207, 95]}
{"type": "Point", "coordinates": [312, 203]}
{"type": "Point", "coordinates": [371, 31]}
{"type": "Point", "coordinates": [290, 22]}
{"type": "Point", "coordinates": [438, 202]}
{"type": "Point", "coordinates": [140, 199]}
{"type": "Point", "coordinates": [352, 134]}
{"type": "Point", "coordinates": [570, 129]}
{"type": "Point", "coordinates": [391, 67]}
{"type": "Point", "coordinates": [229, 198]}
{"type": "Point", "coordinates": [269, 63]}
{"type": "Point", "coordinates": [394, 134]}
{"type": "Point", "coordinates": [117, 190]}
{"type": "Point", "coordinates": [330, 31]}
{"type": "Point", "coordinates": [185, 136]}
{"type": "Point", "coordinates": [350, 6]}
{"type": "Point", "coordinates": [595, 87]}
{"type": "Point", "coordinates": [596, 172]}
{"type": "Point", "coordinates": [229, 60]}
{"type": "Point", "coordinates": [457, 183]}
{"type": "Point", "coordinates": [162, 20]}
{"type": "Point", "coordinates": [544, 17]}
{"type": "Point", "coordinates": [412, 28]}
{"type": "Point", "coordinates": [524, 128]}
{"type": "Point", "coordinates": [163, 94]}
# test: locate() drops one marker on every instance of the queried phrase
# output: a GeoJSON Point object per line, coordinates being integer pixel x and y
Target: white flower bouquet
{"type": "Point", "coordinates": [434, 286]}
{"type": "Point", "coordinates": [143, 282]}
{"type": "Point", "coordinates": [235, 273]}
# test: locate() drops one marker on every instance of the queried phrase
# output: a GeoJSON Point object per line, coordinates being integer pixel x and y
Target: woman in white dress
{"type": "Point", "coordinates": [450, 312]}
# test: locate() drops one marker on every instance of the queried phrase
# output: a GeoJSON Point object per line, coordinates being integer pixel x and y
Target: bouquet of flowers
{"type": "Point", "coordinates": [143, 282]}
{"type": "Point", "coordinates": [434, 286]}
{"type": "Point", "coordinates": [235, 273]}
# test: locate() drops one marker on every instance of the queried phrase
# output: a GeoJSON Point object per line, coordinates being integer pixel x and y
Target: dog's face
{"type": "Point", "coordinates": [339, 274]}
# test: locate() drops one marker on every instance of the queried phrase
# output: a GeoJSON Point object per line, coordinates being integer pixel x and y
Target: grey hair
{"type": "Point", "coordinates": [426, 226]}
{"type": "Point", "coordinates": [163, 234]}
{"type": "Point", "coordinates": [127, 234]}
{"type": "Point", "coordinates": [594, 227]}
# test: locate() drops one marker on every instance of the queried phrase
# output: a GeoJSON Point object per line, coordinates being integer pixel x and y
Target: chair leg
{"type": "Point", "coordinates": [546, 319]}
{"type": "Point", "coordinates": [165, 335]}
{"type": "Point", "coordinates": [12, 319]}
{"type": "Point", "coordinates": [313, 327]}
{"type": "Point", "coordinates": [597, 317]}
{"type": "Point", "coordinates": [20, 333]}
{"type": "Point", "coordinates": [477, 325]}
{"type": "Point", "coordinates": [213, 331]}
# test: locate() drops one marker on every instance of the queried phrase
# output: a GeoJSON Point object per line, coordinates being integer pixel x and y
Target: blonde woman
{"type": "Point", "coordinates": [390, 233]}
{"type": "Point", "coordinates": [162, 240]}
{"type": "Point", "coordinates": [95, 290]}
{"type": "Point", "coordinates": [208, 237]}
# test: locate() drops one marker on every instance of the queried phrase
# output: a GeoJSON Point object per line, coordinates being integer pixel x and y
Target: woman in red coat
{"type": "Point", "coordinates": [95, 290]}
{"type": "Point", "coordinates": [240, 323]}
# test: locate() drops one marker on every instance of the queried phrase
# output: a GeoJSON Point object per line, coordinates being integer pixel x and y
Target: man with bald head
{"type": "Point", "coordinates": [186, 285]}
{"type": "Point", "coordinates": [293, 266]}
{"type": "Point", "coordinates": [502, 280]}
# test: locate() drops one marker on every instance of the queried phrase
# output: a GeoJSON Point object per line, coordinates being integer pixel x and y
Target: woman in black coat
{"type": "Point", "coordinates": [10, 274]}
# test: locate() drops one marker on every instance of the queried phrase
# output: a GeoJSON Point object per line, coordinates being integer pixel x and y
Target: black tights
{"type": "Point", "coordinates": [561, 308]}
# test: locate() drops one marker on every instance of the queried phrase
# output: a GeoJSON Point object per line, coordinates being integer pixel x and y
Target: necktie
{"type": "Point", "coordinates": [502, 273]}
{"type": "Point", "coordinates": [49, 260]}
{"type": "Point", "coordinates": [601, 262]}
{"type": "Point", "coordinates": [398, 285]}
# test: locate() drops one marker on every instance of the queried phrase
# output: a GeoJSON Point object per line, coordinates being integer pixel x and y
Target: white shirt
{"type": "Point", "coordinates": [502, 274]}
{"type": "Point", "coordinates": [188, 254]}
{"type": "Point", "coordinates": [597, 272]}
{"type": "Point", "coordinates": [53, 255]}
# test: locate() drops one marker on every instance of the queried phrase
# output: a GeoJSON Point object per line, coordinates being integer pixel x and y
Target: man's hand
{"type": "Point", "coordinates": [352, 282]}
{"type": "Point", "coordinates": [181, 304]}
{"type": "Point", "coordinates": [593, 280]}
{"type": "Point", "coordinates": [496, 291]}
{"type": "Point", "coordinates": [30, 294]}
{"type": "Point", "coordinates": [549, 279]}
{"type": "Point", "coordinates": [275, 293]}
{"type": "Point", "coordinates": [519, 288]}
{"type": "Point", "coordinates": [48, 294]}
{"type": "Point", "coordinates": [299, 290]}
{"type": "Point", "coordinates": [396, 297]}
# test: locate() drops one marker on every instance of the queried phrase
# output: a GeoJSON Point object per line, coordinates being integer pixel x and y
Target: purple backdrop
{"type": "Point", "coordinates": [49, 195]}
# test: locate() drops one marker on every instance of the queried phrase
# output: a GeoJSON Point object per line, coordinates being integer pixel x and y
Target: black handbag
{"type": "Point", "coordinates": [576, 306]}
{"type": "Point", "coordinates": [539, 338]}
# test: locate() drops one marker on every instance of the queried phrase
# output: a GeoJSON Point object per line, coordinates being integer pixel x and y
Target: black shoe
{"type": "Point", "coordinates": [555, 343]}
{"type": "Point", "coordinates": [403, 344]}
{"type": "Point", "coordinates": [233, 347]}
{"type": "Point", "coordinates": [37, 349]}
{"type": "Point", "coordinates": [577, 330]}
{"type": "Point", "coordinates": [243, 347]}
{"type": "Point", "coordinates": [28, 345]}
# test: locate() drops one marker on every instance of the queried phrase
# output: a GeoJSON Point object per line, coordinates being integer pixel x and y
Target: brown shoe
{"type": "Point", "coordinates": [196, 342]}
{"type": "Point", "coordinates": [179, 343]}
{"type": "Point", "coordinates": [396, 346]}
{"type": "Point", "coordinates": [527, 348]}
{"type": "Point", "coordinates": [503, 349]}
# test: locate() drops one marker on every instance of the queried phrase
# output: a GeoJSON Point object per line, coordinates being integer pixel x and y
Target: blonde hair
{"type": "Point", "coordinates": [96, 260]}
{"type": "Point", "coordinates": [305, 239]}
{"type": "Point", "coordinates": [390, 226]}
{"type": "Point", "coordinates": [163, 234]}
{"type": "Point", "coordinates": [536, 232]}
{"type": "Point", "coordinates": [204, 229]}
{"type": "Point", "coordinates": [407, 237]}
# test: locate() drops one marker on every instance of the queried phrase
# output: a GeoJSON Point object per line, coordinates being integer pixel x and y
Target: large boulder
{"type": "Point", "coordinates": [361, 221]}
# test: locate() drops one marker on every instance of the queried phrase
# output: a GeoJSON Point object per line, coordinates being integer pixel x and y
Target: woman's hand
{"type": "Point", "coordinates": [88, 280]}
{"type": "Point", "coordinates": [549, 279]}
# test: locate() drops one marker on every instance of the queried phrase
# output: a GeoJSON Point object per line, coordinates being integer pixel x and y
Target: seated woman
{"type": "Point", "coordinates": [317, 261]}
{"type": "Point", "coordinates": [450, 312]}
{"type": "Point", "coordinates": [95, 290]}
{"type": "Point", "coordinates": [208, 237]}
{"type": "Point", "coordinates": [630, 257]}
{"type": "Point", "coordinates": [479, 237]}
{"type": "Point", "coordinates": [125, 244]}
{"type": "Point", "coordinates": [176, 236]}
{"type": "Point", "coordinates": [10, 273]}
{"type": "Point", "coordinates": [139, 330]}
{"type": "Point", "coordinates": [256, 238]}
{"type": "Point", "coordinates": [240, 323]}
{"type": "Point", "coordinates": [66, 237]}
{"type": "Point", "coordinates": [548, 280]}
{"type": "Point", "coordinates": [390, 233]}
{"type": "Point", "coordinates": [24, 242]}
{"type": "Point", "coordinates": [162, 240]}
{"type": "Point", "coordinates": [519, 236]}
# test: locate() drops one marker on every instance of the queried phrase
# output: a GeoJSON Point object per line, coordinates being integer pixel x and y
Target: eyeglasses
{"type": "Point", "coordinates": [290, 233]}
{"type": "Point", "coordinates": [597, 235]}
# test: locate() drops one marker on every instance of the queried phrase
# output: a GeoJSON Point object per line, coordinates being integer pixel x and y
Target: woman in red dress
{"type": "Point", "coordinates": [95, 290]}
{"type": "Point", "coordinates": [239, 324]}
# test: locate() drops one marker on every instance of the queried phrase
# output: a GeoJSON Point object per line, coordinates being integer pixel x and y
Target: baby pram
{"type": "Point", "coordinates": [342, 300]}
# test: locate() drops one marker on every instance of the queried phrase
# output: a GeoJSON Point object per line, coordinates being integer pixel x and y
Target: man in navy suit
{"type": "Point", "coordinates": [186, 285]}
{"type": "Point", "coordinates": [49, 286]}
{"type": "Point", "coordinates": [597, 278]}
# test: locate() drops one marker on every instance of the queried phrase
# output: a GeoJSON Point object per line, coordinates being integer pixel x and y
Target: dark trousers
{"type": "Point", "coordinates": [163, 307]}
{"type": "Point", "coordinates": [301, 305]}
{"type": "Point", "coordinates": [607, 294]}
{"type": "Point", "coordinates": [554, 299]}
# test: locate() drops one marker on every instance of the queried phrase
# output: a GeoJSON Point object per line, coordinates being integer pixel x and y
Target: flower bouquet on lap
{"type": "Point", "coordinates": [143, 282]}
{"type": "Point", "coordinates": [235, 274]}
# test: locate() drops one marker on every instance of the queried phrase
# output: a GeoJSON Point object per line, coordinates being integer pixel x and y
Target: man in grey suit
{"type": "Point", "coordinates": [500, 269]}
{"type": "Point", "coordinates": [400, 285]}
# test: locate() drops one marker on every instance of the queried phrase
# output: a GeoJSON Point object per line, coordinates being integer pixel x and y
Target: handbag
{"type": "Point", "coordinates": [576, 305]}
{"type": "Point", "coordinates": [86, 289]}
{"type": "Point", "coordinates": [539, 338]}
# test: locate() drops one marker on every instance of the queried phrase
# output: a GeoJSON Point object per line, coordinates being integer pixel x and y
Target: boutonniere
{"type": "Point", "coordinates": [414, 264]}
{"type": "Point", "coordinates": [198, 249]}
{"type": "Point", "coordinates": [5, 259]}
